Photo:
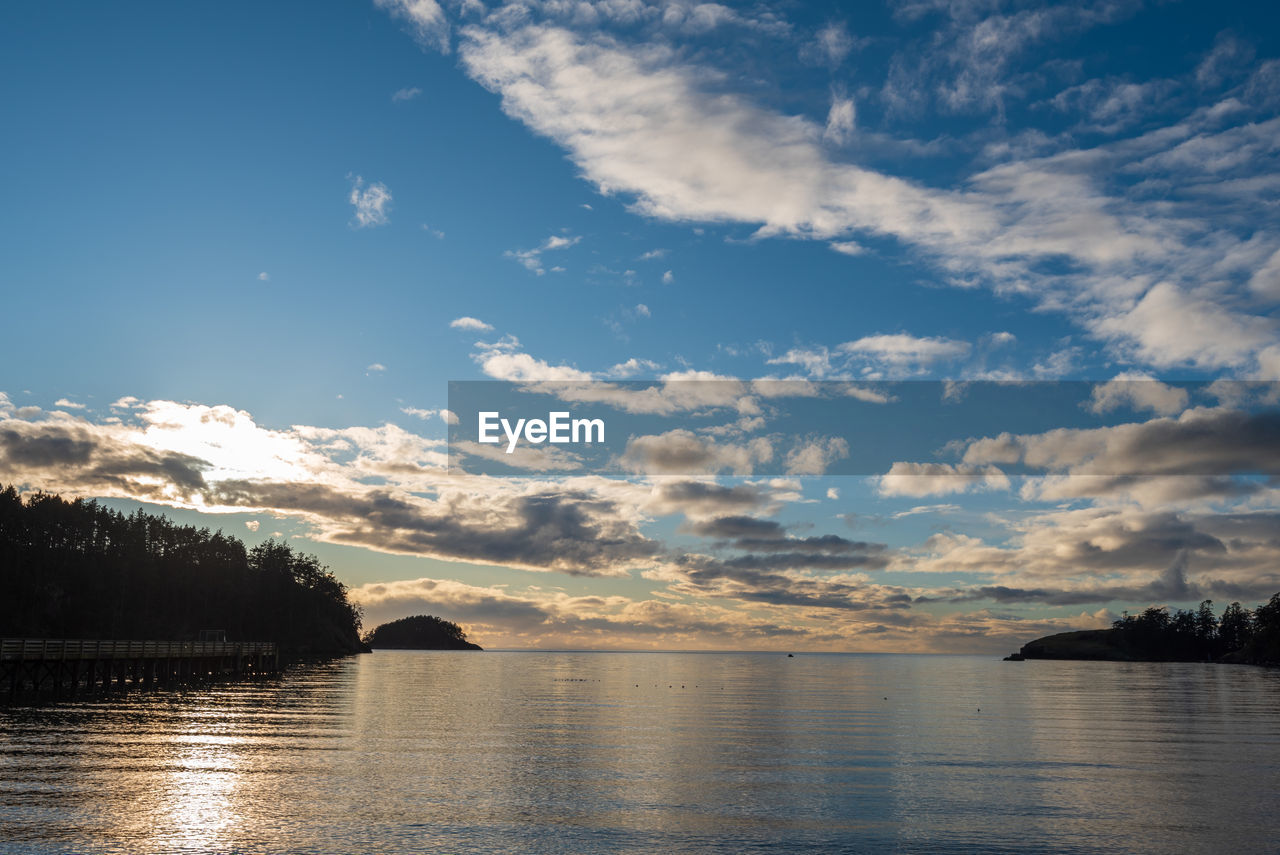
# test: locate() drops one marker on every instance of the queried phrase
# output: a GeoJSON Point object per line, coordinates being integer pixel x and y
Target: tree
{"type": "Point", "coordinates": [1235, 629]}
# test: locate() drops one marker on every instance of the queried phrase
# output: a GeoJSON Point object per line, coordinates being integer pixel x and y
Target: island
{"type": "Point", "coordinates": [1240, 636]}
{"type": "Point", "coordinates": [419, 632]}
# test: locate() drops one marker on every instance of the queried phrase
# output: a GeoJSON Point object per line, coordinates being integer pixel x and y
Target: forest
{"type": "Point", "coordinates": [1240, 635]}
{"type": "Point", "coordinates": [76, 569]}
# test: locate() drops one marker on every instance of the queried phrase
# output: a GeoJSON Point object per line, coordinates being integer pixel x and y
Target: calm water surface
{"type": "Point", "coordinates": [658, 752]}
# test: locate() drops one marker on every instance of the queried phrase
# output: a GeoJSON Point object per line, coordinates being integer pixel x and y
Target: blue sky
{"type": "Point", "coordinates": [247, 248]}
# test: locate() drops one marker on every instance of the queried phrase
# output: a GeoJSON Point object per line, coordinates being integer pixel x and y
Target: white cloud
{"type": "Point", "coordinates": [847, 247]}
{"type": "Point", "coordinates": [418, 413]}
{"type": "Point", "coordinates": [1140, 392]}
{"type": "Point", "coordinates": [642, 310]}
{"type": "Point", "coordinates": [406, 94]}
{"type": "Point", "coordinates": [372, 204]}
{"type": "Point", "coordinates": [532, 258]}
{"type": "Point", "coordinates": [521, 367]}
{"type": "Point", "coordinates": [640, 120]}
{"type": "Point", "coordinates": [632, 367]}
{"type": "Point", "coordinates": [252, 525]}
{"type": "Point", "coordinates": [936, 479]}
{"type": "Point", "coordinates": [636, 121]}
{"type": "Point", "coordinates": [376, 367]}
{"type": "Point", "coordinates": [264, 277]}
{"type": "Point", "coordinates": [833, 493]}
{"type": "Point", "coordinates": [840, 120]}
{"type": "Point", "coordinates": [68, 405]}
{"type": "Point", "coordinates": [425, 18]}
{"type": "Point", "coordinates": [1170, 326]}
{"type": "Point", "coordinates": [905, 353]}
{"type": "Point", "coordinates": [668, 278]}
{"type": "Point", "coordinates": [813, 456]}
{"type": "Point", "coordinates": [832, 44]}
{"type": "Point", "coordinates": [469, 323]}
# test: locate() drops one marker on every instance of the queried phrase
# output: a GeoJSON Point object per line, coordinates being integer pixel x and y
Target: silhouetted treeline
{"type": "Point", "coordinates": [80, 570]}
{"type": "Point", "coordinates": [420, 632]}
{"type": "Point", "coordinates": [1240, 635]}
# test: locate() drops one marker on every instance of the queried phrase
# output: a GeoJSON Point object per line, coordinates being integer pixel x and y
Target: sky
{"type": "Point", "coordinates": [248, 247]}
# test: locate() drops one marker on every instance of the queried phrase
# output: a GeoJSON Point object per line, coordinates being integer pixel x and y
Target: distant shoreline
{"type": "Point", "coordinates": [1107, 645]}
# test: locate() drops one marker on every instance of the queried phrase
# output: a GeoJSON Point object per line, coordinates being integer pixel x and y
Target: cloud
{"type": "Point", "coordinates": [469, 323]}
{"type": "Point", "coordinates": [264, 277]}
{"type": "Point", "coordinates": [531, 259]}
{"type": "Point", "coordinates": [69, 405]}
{"type": "Point", "coordinates": [637, 121]}
{"type": "Point", "coordinates": [1169, 326]}
{"type": "Point", "coordinates": [632, 367]}
{"type": "Point", "coordinates": [1229, 57]}
{"type": "Point", "coordinates": [1122, 554]}
{"type": "Point", "coordinates": [668, 277]}
{"type": "Point", "coordinates": [406, 94]}
{"type": "Point", "coordinates": [1072, 229]}
{"type": "Point", "coordinates": [425, 19]}
{"type": "Point", "coordinates": [521, 367]}
{"type": "Point", "coordinates": [95, 460]}
{"type": "Point", "coordinates": [1139, 392]}
{"type": "Point", "coordinates": [831, 45]}
{"type": "Point", "coordinates": [375, 368]}
{"type": "Point", "coordinates": [906, 353]}
{"type": "Point", "coordinates": [840, 120]}
{"type": "Point", "coordinates": [1201, 441]}
{"type": "Point", "coordinates": [937, 479]}
{"type": "Point", "coordinates": [700, 499]}
{"type": "Point", "coordinates": [386, 489]}
{"type": "Point", "coordinates": [681, 452]}
{"type": "Point", "coordinates": [372, 203]}
{"type": "Point", "coordinates": [813, 456]}
{"type": "Point", "coordinates": [567, 531]}
{"type": "Point", "coordinates": [527, 458]}
{"type": "Point", "coordinates": [252, 525]}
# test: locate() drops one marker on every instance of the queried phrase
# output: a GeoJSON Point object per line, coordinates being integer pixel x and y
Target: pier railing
{"type": "Point", "coordinates": [28, 649]}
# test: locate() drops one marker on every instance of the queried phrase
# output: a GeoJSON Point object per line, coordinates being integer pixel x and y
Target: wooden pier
{"type": "Point", "coordinates": [67, 665]}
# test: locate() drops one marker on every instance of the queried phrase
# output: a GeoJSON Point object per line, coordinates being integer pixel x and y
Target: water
{"type": "Point", "coordinates": [658, 752]}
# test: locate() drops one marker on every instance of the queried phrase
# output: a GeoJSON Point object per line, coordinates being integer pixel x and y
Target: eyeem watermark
{"type": "Point", "coordinates": [558, 428]}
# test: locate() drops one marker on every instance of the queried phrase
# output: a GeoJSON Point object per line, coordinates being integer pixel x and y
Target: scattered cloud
{"type": "Point", "coordinates": [469, 323]}
{"type": "Point", "coordinates": [425, 20]}
{"type": "Point", "coordinates": [372, 204]}
{"type": "Point", "coordinates": [531, 259]}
